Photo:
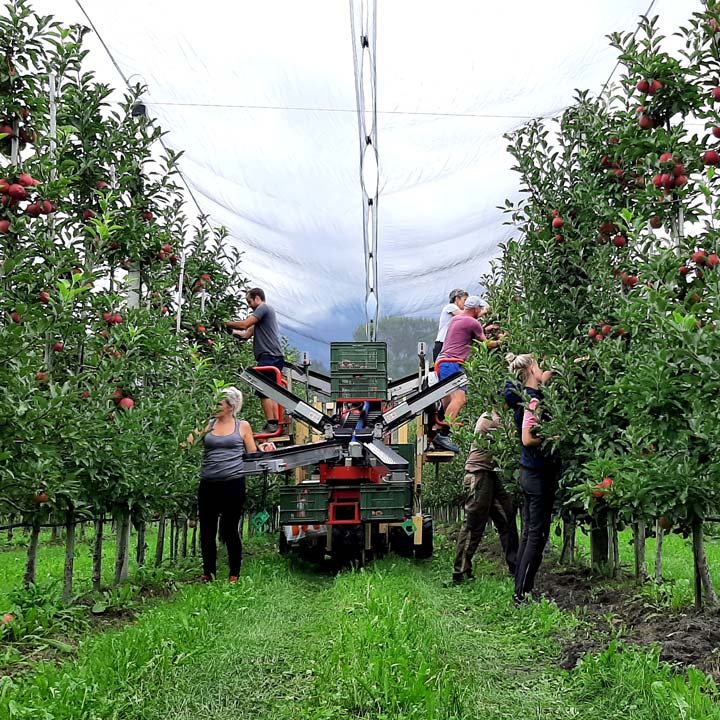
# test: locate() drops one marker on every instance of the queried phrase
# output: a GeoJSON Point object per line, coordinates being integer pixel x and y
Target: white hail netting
{"type": "Point", "coordinates": [261, 98]}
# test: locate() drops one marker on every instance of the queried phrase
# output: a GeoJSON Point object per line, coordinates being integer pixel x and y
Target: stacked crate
{"type": "Point", "coordinates": [358, 370]}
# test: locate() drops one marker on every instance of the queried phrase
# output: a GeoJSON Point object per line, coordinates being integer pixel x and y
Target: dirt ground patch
{"type": "Point", "coordinates": [614, 609]}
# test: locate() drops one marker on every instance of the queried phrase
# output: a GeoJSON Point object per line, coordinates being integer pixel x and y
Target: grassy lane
{"type": "Point", "coordinates": [386, 642]}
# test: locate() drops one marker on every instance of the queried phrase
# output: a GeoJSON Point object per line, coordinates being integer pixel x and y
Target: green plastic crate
{"type": "Point", "coordinates": [368, 385]}
{"type": "Point", "coordinates": [407, 451]}
{"type": "Point", "coordinates": [305, 504]}
{"type": "Point", "coordinates": [386, 502]}
{"type": "Point", "coordinates": [348, 358]}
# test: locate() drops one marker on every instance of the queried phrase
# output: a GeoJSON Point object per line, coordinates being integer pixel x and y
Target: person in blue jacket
{"type": "Point", "coordinates": [539, 468]}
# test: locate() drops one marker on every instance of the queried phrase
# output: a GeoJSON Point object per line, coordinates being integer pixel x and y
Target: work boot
{"type": "Point", "coordinates": [443, 442]}
{"type": "Point", "coordinates": [271, 427]}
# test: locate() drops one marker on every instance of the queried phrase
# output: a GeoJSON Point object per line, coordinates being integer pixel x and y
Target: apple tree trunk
{"type": "Point", "coordinates": [703, 581]}
{"type": "Point", "coordinates": [160, 543]}
{"type": "Point", "coordinates": [31, 563]}
{"type": "Point", "coordinates": [11, 521]}
{"type": "Point", "coordinates": [123, 546]}
{"type": "Point", "coordinates": [97, 553]}
{"type": "Point", "coordinates": [599, 541]}
{"type": "Point", "coordinates": [184, 538]}
{"type": "Point", "coordinates": [141, 544]}
{"type": "Point", "coordinates": [659, 534]}
{"type": "Point", "coordinates": [639, 534]}
{"type": "Point", "coordinates": [567, 555]}
{"type": "Point", "coordinates": [69, 570]}
{"type": "Point", "coordinates": [193, 541]}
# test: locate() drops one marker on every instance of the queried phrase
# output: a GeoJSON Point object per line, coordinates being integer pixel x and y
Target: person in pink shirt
{"type": "Point", "coordinates": [463, 331]}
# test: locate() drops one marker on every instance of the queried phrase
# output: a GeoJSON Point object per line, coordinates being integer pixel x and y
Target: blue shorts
{"type": "Point", "coordinates": [448, 369]}
{"type": "Point", "coordinates": [269, 361]}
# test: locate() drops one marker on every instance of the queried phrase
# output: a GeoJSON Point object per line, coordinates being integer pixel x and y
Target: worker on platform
{"type": "Point", "coordinates": [485, 497]}
{"type": "Point", "coordinates": [463, 330]}
{"type": "Point", "coordinates": [261, 325]}
{"type": "Point", "coordinates": [454, 307]}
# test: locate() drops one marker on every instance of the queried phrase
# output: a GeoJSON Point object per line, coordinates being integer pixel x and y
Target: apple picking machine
{"type": "Point", "coordinates": [356, 490]}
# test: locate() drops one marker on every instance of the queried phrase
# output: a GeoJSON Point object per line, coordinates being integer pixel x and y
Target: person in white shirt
{"type": "Point", "coordinates": [454, 307]}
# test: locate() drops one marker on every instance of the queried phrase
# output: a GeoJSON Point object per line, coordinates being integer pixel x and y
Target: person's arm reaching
{"type": "Point", "coordinates": [530, 421]}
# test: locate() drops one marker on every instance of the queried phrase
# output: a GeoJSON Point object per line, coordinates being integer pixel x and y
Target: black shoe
{"type": "Point", "coordinates": [271, 427]}
{"type": "Point", "coordinates": [443, 442]}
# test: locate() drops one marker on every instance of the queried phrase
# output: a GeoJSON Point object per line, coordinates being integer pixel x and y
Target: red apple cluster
{"type": "Point", "coordinates": [673, 175]}
{"type": "Point", "coordinates": [13, 192]}
{"type": "Point", "coordinates": [648, 87]}
{"type": "Point", "coordinates": [603, 330]}
{"type": "Point", "coordinates": [121, 400]}
{"type": "Point", "coordinates": [700, 259]}
{"type": "Point", "coordinates": [112, 318]}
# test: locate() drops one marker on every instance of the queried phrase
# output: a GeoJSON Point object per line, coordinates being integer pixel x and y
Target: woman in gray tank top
{"type": "Point", "coordinates": [226, 439]}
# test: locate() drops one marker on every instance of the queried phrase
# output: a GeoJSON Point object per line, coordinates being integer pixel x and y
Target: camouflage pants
{"type": "Point", "coordinates": [485, 498]}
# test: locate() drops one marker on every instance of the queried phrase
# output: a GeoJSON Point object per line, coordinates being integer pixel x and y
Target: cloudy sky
{"type": "Point", "coordinates": [260, 96]}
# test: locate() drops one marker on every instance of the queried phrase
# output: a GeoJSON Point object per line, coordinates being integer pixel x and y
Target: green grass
{"type": "Point", "coordinates": [389, 641]}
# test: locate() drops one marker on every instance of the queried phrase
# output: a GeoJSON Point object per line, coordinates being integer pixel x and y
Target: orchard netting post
{"type": "Point", "coordinates": [141, 544]}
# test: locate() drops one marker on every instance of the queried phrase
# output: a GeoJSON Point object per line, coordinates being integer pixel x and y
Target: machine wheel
{"type": "Point", "coordinates": [283, 545]}
{"type": "Point", "coordinates": [400, 542]}
{"type": "Point", "coordinates": [424, 551]}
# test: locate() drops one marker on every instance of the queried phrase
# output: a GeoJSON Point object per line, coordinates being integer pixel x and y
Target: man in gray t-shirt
{"type": "Point", "coordinates": [261, 325]}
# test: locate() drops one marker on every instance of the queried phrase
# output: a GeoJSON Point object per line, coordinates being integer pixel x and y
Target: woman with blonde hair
{"type": "Point", "coordinates": [539, 468]}
{"type": "Point", "coordinates": [226, 440]}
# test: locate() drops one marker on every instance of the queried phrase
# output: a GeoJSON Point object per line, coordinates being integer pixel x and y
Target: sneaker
{"type": "Point", "coordinates": [519, 600]}
{"type": "Point", "coordinates": [233, 579]}
{"type": "Point", "coordinates": [443, 442]}
{"type": "Point", "coordinates": [271, 427]}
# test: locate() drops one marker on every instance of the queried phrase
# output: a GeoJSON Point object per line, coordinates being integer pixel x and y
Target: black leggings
{"type": "Point", "coordinates": [226, 498]}
{"type": "Point", "coordinates": [539, 489]}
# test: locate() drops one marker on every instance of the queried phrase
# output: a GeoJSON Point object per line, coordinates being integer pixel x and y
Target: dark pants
{"type": "Point", "coordinates": [539, 488]}
{"type": "Point", "coordinates": [226, 498]}
{"type": "Point", "coordinates": [485, 497]}
{"type": "Point", "coordinates": [437, 348]}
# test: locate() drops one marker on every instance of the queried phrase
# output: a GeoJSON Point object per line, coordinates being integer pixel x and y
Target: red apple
{"type": "Point", "coordinates": [643, 86]}
{"type": "Point", "coordinates": [716, 131]}
{"type": "Point", "coordinates": [101, 185]}
{"type": "Point", "coordinates": [6, 130]}
{"type": "Point", "coordinates": [117, 318]}
{"type": "Point", "coordinates": [655, 85]}
{"type": "Point", "coordinates": [716, 93]}
{"type": "Point", "coordinates": [559, 239]}
{"type": "Point", "coordinates": [712, 261]}
{"type": "Point", "coordinates": [8, 618]}
{"type": "Point", "coordinates": [606, 330]}
{"type": "Point", "coordinates": [678, 170]}
{"type": "Point", "coordinates": [645, 122]}
{"type": "Point", "coordinates": [41, 497]}
{"type": "Point", "coordinates": [88, 215]}
{"type": "Point", "coordinates": [58, 346]}
{"type": "Point", "coordinates": [608, 228]}
{"type": "Point", "coordinates": [666, 157]}
{"type": "Point", "coordinates": [33, 210]}
{"type": "Point", "coordinates": [599, 337]}
{"type": "Point", "coordinates": [167, 247]}
{"type": "Point", "coordinates": [41, 377]}
{"type": "Point", "coordinates": [699, 257]}
{"type": "Point", "coordinates": [630, 280]}
{"type": "Point", "coordinates": [85, 394]}
{"type": "Point", "coordinates": [44, 297]}
{"type": "Point", "coordinates": [681, 180]}
{"type": "Point", "coordinates": [619, 241]}
{"type": "Point", "coordinates": [107, 317]}
{"type": "Point", "coordinates": [126, 403]}
{"type": "Point", "coordinates": [15, 316]}
{"type": "Point", "coordinates": [592, 332]}
{"type": "Point", "coordinates": [17, 192]}
{"type": "Point", "coordinates": [147, 215]}
{"type": "Point", "coordinates": [48, 207]}
{"type": "Point", "coordinates": [657, 180]}
{"type": "Point", "coordinates": [656, 222]}
{"type": "Point", "coordinates": [710, 157]}
{"type": "Point", "coordinates": [557, 223]}
{"type": "Point", "coordinates": [200, 328]}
